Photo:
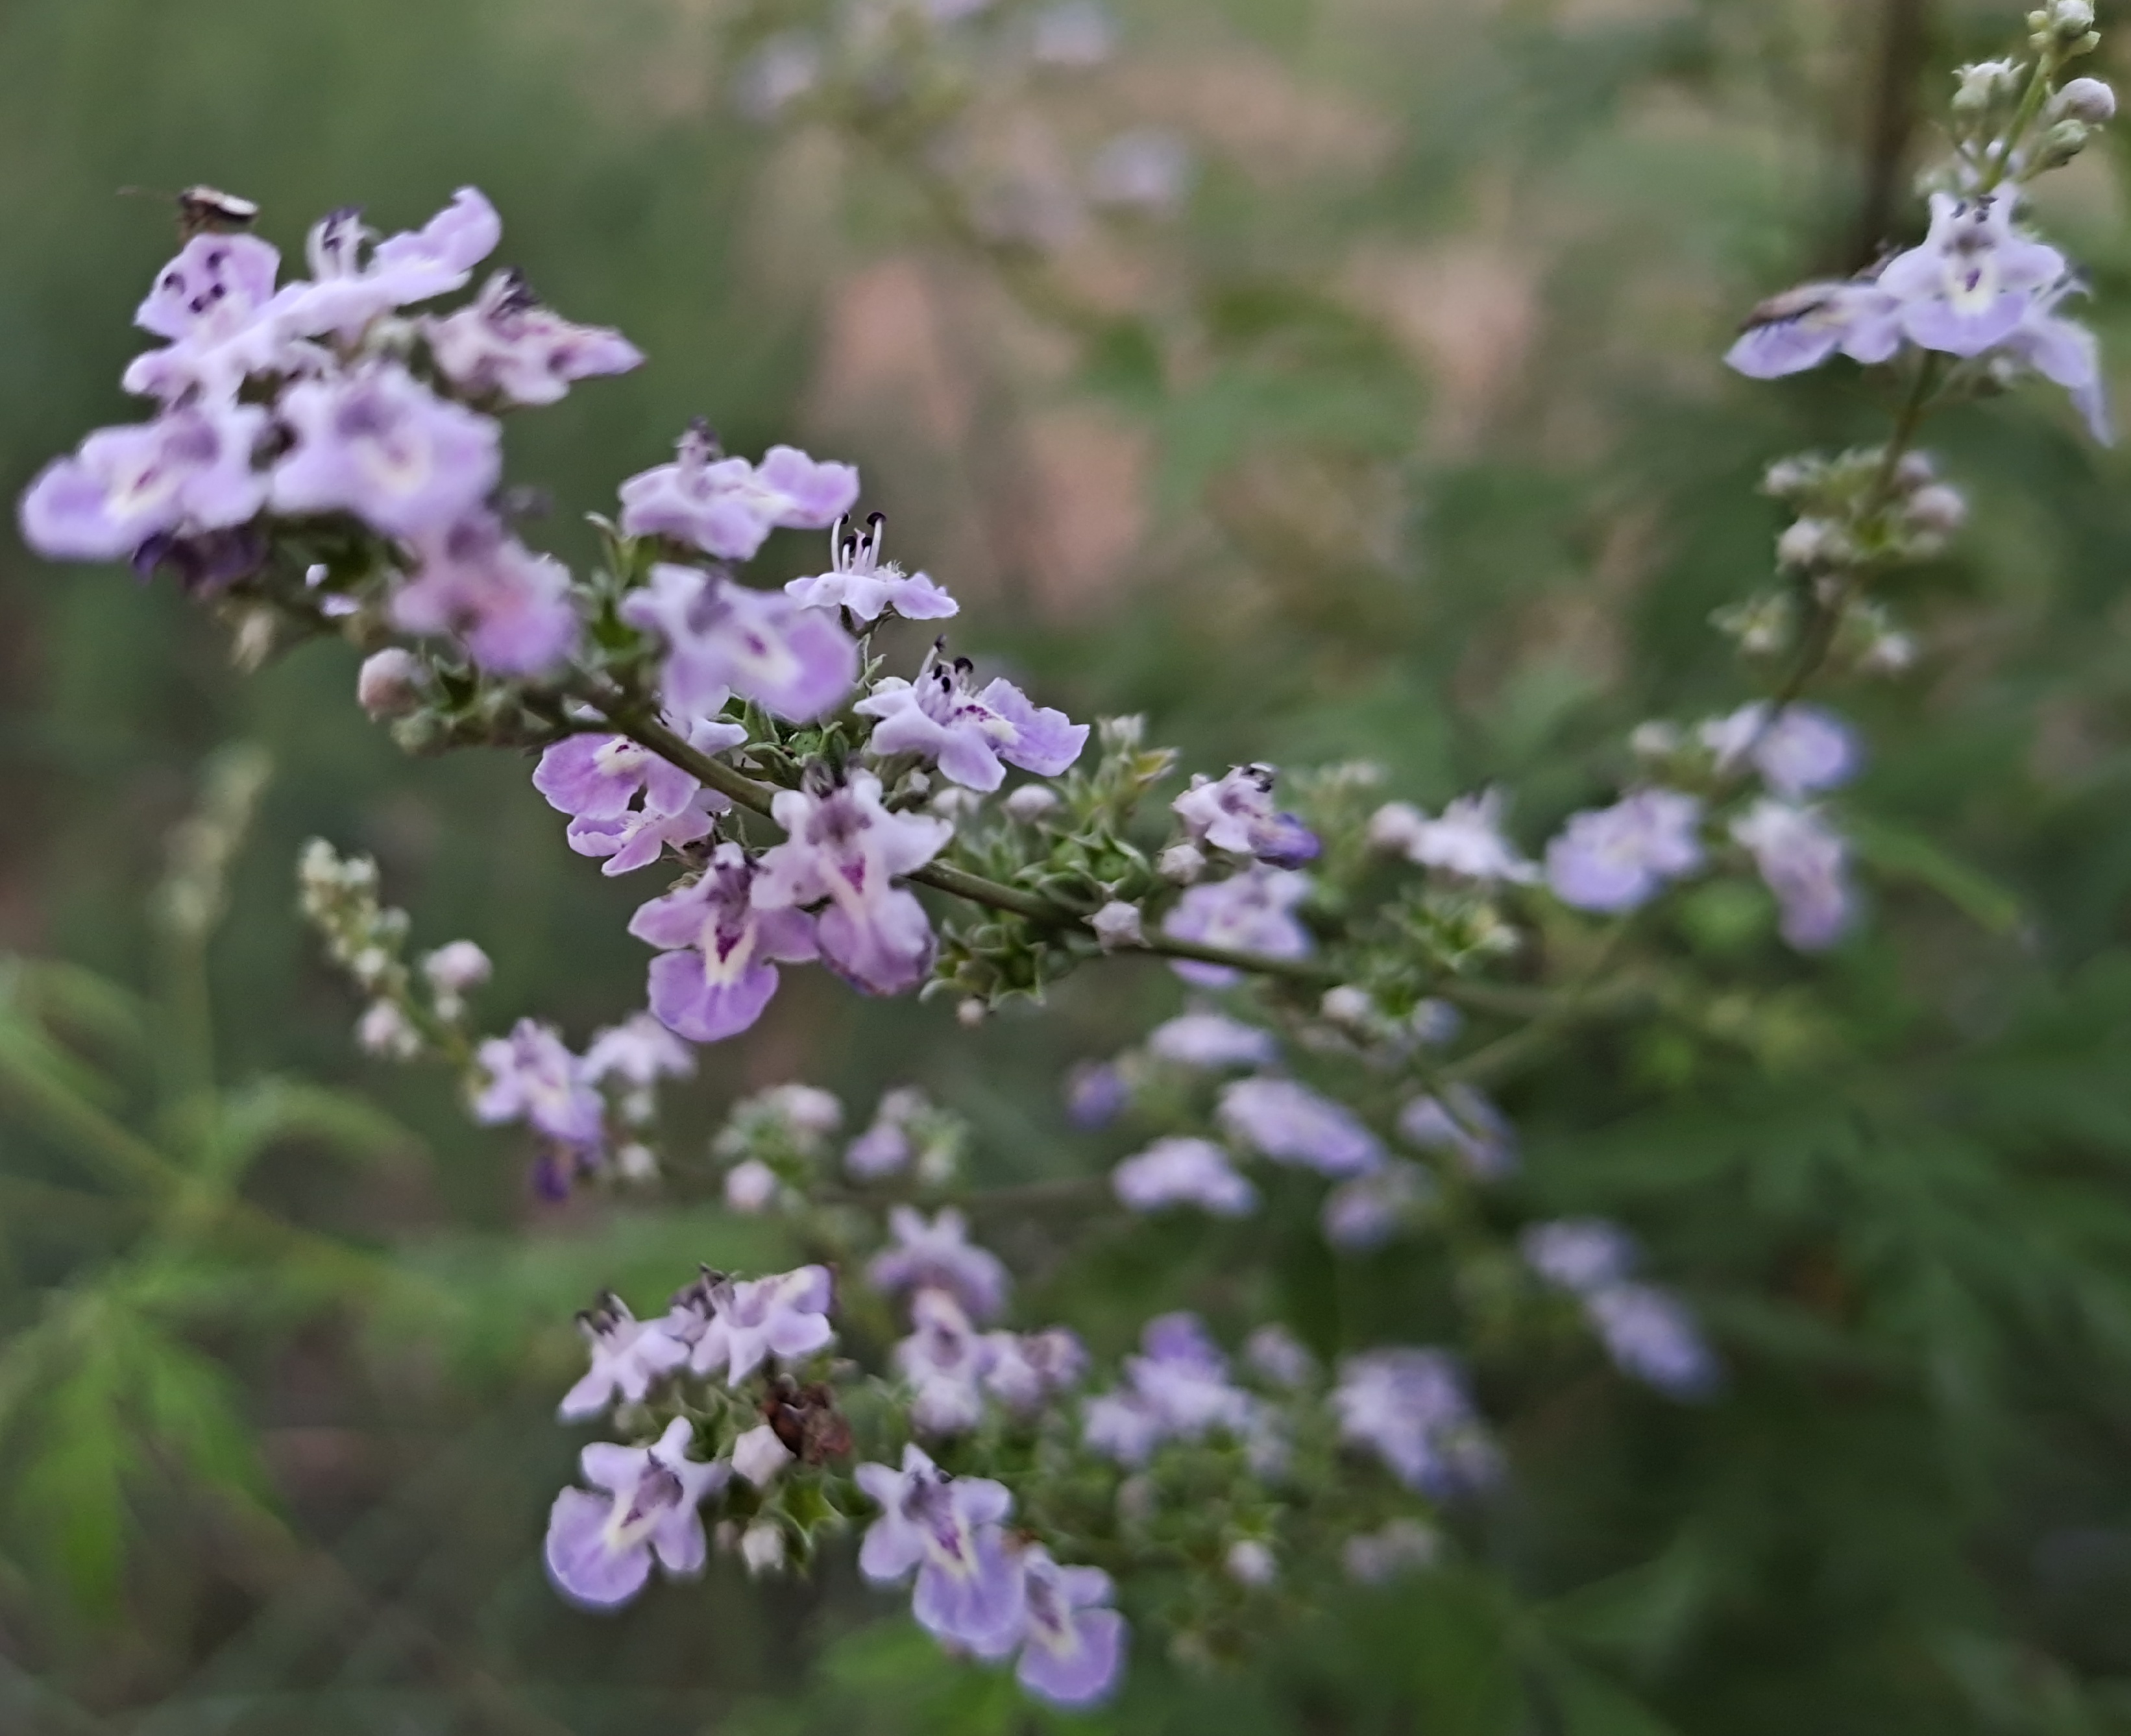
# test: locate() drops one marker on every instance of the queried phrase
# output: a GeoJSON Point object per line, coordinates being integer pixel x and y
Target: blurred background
{"type": "Point", "coordinates": [1325, 379]}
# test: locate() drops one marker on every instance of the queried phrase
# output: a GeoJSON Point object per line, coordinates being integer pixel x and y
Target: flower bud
{"type": "Point", "coordinates": [1787, 476]}
{"type": "Point", "coordinates": [758, 1456]}
{"type": "Point", "coordinates": [1655, 739]}
{"type": "Point", "coordinates": [750, 1187]}
{"type": "Point", "coordinates": [1031, 802]}
{"type": "Point", "coordinates": [637, 1162]}
{"type": "Point", "coordinates": [389, 683]}
{"type": "Point", "coordinates": [1116, 925]}
{"type": "Point", "coordinates": [1810, 543]}
{"type": "Point", "coordinates": [1981, 83]}
{"type": "Point", "coordinates": [1350, 1005]}
{"type": "Point", "coordinates": [1180, 864]}
{"type": "Point", "coordinates": [1250, 1563]}
{"type": "Point", "coordinates": [1940, 509]}
{"type": "Point", "coordinates": [2072, 19]}
{"type": "Point", "coordinates": [384, 1031]}
{"type": "Point", "coordinates": [762, 1548]}
{"type": "Point", "coordinates": [2089, 100]}
{"type": "Point", "coordinates": [1913, 470]}
{"type": "Point", "coordinates": [456, 967]}
{"type": "Point", "coordinates": [971, 1012]}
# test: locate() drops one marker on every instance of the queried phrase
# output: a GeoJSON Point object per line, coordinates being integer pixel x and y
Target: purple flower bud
{"type": "Point", "coordinates": [1291, 1124]}
{"type": "Point", "coordinates": [530, 1076]}
{"type": "Point", "coordinates": [970, 1586]}
{"type": "Point", "coordinates": [1073, 1651]}
{"type": "Point", "coordinates": [939, 1255]}
{"type": "Point", "coordinates": [1252, 911]}
{"type": "Point", "coordinates": [1579, 1254]}
{"type": "Point", "coordinates": [843, 846]}
{"type": "Point", "coordinates": [884, 1148]}
{"type": "Point", "coordinates": [600, 1547]}
{"type": "Point", "coordinates": [1211, 1041]}
{"type": "Point", "coordinates": [720, 636]}
{"type": "Point", "coordinates": [859, 583]}
{"type": "Point", "coordinates": [968, 734]}
{"type": "Point", "coordinates": [188, 471]}
{"type": "Point", "coordinates": [1653, 1338]}
{"type": "Point", "coordinates": [727, 506]}
{"type": "Point", "coordinates": [1362, 1214]}
{"type": "Point", "coordinates": [509, 606]}
{"type": "Point", "coordinates": [1464, 1122]}
{"type": "Point", "coordinates": [1410, 1407]}
{"type": "Point", "coordinates": [389, 683]}
{"type": "Point", "coordinates": [717, 966]}
{"type": "Point", "coordinates": [1805, 862]}
{"type": "Point", "coordinates": [380, 444]}
{"type": "Point", "coordinates": [1236, 814]}
{"type": "Point", "coordinates": [505, 346]}
{"type": "Point", "coordinates": [1615, 860]}
{"type": "Point", "coordinates": [1117, 925]}
{"type": "Point", "coordinates": [1184, 1172]}
{"type": "Point", "coordinates": [629, 1356]}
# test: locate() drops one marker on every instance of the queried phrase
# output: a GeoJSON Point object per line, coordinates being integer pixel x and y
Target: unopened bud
{"type": "Point", "coordinates": [390, 683]}
{"type": "Point", "coordinates": [971, 1012]}
{"type": "Point", "coordinates": [1913, 470]}
{"type": "Point", "coordinates": [1939, 508]}
{"type": "Point", "coordinates": [2089, 100]}
{"type": "Point", "coordinates": [1250, 1563]}
{"type": "Point", "coordinates": [637, 1162]}
{"type": "Point", "coordinates": [762, 1548]}
{"type": "Point", "coordinates": [758, 1456]}
{"type": "Point", "coordinates": [456, 967]}
{"type": "Point", "coordinates": [1350, 1005]}
{"type": "Point", "coordinates": [1787, 476]}
{"type": "Point", "coordinates": [384, 1031]}
{"type": "Point", "coordinates": [1116, 925]}
{"type": "Point", "coordinates": [2072, 19]}
{"type": "Point", "coordinates": [1812, 543]}
{"type": "Point", "coordinates": [1031, 802]}
{"type": "Point", "coordinates": [1981, 83]}
{"type": "Point", "coordinates": [750, 1187]}
{"type": "Point", "coordinates": [1655, 739]}
{"type": "Point", "coordinates": [1180, 864]}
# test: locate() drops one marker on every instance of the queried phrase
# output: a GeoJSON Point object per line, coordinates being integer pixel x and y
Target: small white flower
{"type": "Point", "coordinates": [758, 1456]}
{"type": "Point", "coordinates": [751, 1186]}
{"type": "Point", "coordinates": [762, 1548]}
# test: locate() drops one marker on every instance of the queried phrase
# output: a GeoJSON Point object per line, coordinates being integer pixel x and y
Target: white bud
{"type": "Point", "coordinates": [1116, 925]}
{"type": "Point", "coordinates": [2071, 18]}
{"type": "Point", "coordinates": [1891, 654]}
{"type": "Point", "coordinates": [1396, 827]}
{"type": "Point", "coordinates": [762, 1548]}
{"type": "Point", "coordinates": [750, 1187]}
{"type": "Point", "coordinates": [1350, 1005]}
{"type": "Point", "coordinates": [1436, 1022]}
{"type": "Point", "coordinates": [385, 1030]}
{"type": "Point", "coordinates": [368, 967]}
{"type": "Point", "coordinates": [971, 1012]}
{"type": "Point", "coordinates": [1180, 864]}
{"type": "Point", "coordinates": [1250, 1563]}
{"type": "Point", "coordinates": [2086, 99]}
{"type": "Point", "coordinates": [758, 1456]}
{"type": "Point", "coordinates": [1939, 508]}
{"type": "Point", "coordinates": [637, 1162]}
{"type": "Point", "coordinates": [1981, 84]}
{"type": "Point", "coordinates": [1787, 476]}
{"type": "Point", "coordinates": [1807, 542]}
{"type": "Point", "coordinates": [1655, 739]}
{"type": "Point", "coordinates": [808, 1111]}
{"type": "Point", "coordinates": [1032, 801]}
{"type": "Point", "coordinates": [1912, 469]}
{"type": "Point", "coordinates": [457, 966]}
{"type": "Point", "coordinates": [389, 684]}
{"type": "Point", "coordinates": [956, 803]}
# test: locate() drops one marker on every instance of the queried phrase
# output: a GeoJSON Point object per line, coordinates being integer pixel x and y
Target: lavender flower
{"type": "Point", "coordinates": [1275, 1352]}
{"type": "Point", "coordinates": [1184, 1172]}
{"type": "Point", "coordinates": [857, 582]}
{"type": "Point", "coordinates": [1361, 1215]}
{"type": "Point", "coordinates": [944, 1360]}
{"type": "Point", "coordinates": [1802, 328]}
{"type": "Point", "coordinates": [1805, 750]}
{"type": "Point", "coordinates": [210, 302]}
{"type": "Point", "coordinates": [727, 506]}
{"type": "Point", "coordinates": [1652, 1337]}
{"type": "Point", "coordinates": [1074, 1645]}
{"type": "Point", "coordinates": [2063, 350]}
{"type": "Point", "coordinates": [505, 347]}
{"type": "Point", "coordinates": [1464, 1122]}
{"type": "Point", "coordinates": [1410, 1407]}
{"type": "Point", "coordinates": [721, 637]}
{"type": "Point", "coordinates": [968, 734]}
{"type": "Point", "coordinates": [1025, 1370]}
{"type": "Point", "coordinates": [637, 837]}
{"type": "Point", "coordinates": [1805, 862]}
{"type": "Point", "coordinates": [843, 846]}
{"type": "Point", "coordinates": [1252, 911]}
{"type": "Point", "coordinates": [717, 966]}
{"type": "Point", "coordinates": [1466, 840]}
{"type": "Point", "coordinates": [349, 288]}
{"type": "Point", "coordinates": [971, 1587]}
{"type": "Point", "coordinates": [380, 444]}
{"type": "Point", "coordinates": [1211, 1041]}
{"type": "Point", "coordinates": [599, 1548]}
{"type": "Point", "coordinates": [1096, 1094]}
{"type": "Point", "coordinates": [747, 1322]}
{"type": "Point", "coordinates": [530, 1076]}
{"type": "Point", "coordinates": [1236, 814]}
{"type": "Point", "coordinates": [939, 1255]}
{"type": "Point", "coordinates": [639, 1051]}
{"type": "Point", "coordinates": [629, 1356]}
{"type": "Point", "coordinates": [595, 777]}
{"type": "Point", "coordinates": [188, 471]}
{"type": "Point", "coordinates": [509, 606]}
{"type": "Point", "coordinates": [1291, 1124]}
{"type": "Point", "coordinates": [1177, 1390]}
{"type": "Point", "coordinates": [1579, 1254]}
{"type": "Point", "coordinates": [1972, 281]}
{"type": "Point", "coordinates": [1615, 860]}
{"type": "Point", "coordinates": [759, 1456]}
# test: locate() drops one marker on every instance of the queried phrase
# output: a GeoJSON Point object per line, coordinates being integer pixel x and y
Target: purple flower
{"type": "Point", "coordinates": [722, 636]}
{"type": "Point", "coordinates": [748, 1322]}
{"type": "Point", "coordinates": [939, 1255]}
{"type": "Point", "coordinates": [595, 777]}
{"type": "Point", "coordinates": [1361, 1215]}
{"type": "Point", "coordinates": [842, 846]}
{"type": "Point", "coordinates": [858, 581]}
{"type": "Point", "coordinates": [600, 1547]}
{"type": "Point", "coordinates": [1615, 860]}
{"type": "Point", "coordinates": [944, 1359]}
{"type": "Point", "coordinates": [210, 302]}
{"type": "Point", "coordinates": [727, 506]}
{"type": "Point", "coordinates": [1096, 1094]}
{"type": "Point", "coordinates": [1291, 1124]}
{"type": "Point", "coordinates": [1464, 1122]}
{"type": "Point", "coordinates": [639, 1051]}
{"type": "Point", "coordinates": [1968, 286]}
{"type": "Point", "coordinates": [1467, 840]}
{"type": "Point", "coordinates": [1579, 1254]}
{"type": "Point", "coordinates": [1184, 1172]}
{"type": "Point", "coordinates": [1025, 1370]}
{"type": "Point", "coordinates": [1074, 1644]}
{"type": "Point", "coordinates": [968, 734]}
{"type": "Point", "coordinates": [1805, 862]}
{"type": "Point", "coordinates": [629, 1356]}
{"type": "Point", "coordinates": [1801, 327]}
{"type": "Point", "coordinates": [505, 346]}
{"type": "Point", "coordinates": [530, 1076]}
{"type": "Point", "coordinates": [1179, 1389]}
{"type": "Point", "coordinates": [1805, 750]}
{"type": "Point", "coordinates": [1276, 1353]}
{"type": "Point", "coordinates": [637, 837]}
{"type": "Point", "coordinates": [1652, 1337]}
{"type": "Point", "coordinates": [188, 471]}
{"type": "Point", "coordinates": [1410, 1407]}
{"type": "Point", "coordinates": [350, 289]}
{"type": "Point", "coordinates": [380, 444]}
{"type": "Point", "coordinates": [1252, 911]}
{"type": "Point", "coordinates": [885, 1148]}
{"type": "Point", "coordinates": [2063, 350]}
{"type": "Point", "coordinates": [969, 1585]}
{"type": "Point", "coordinates": [1211, 1041]}
{"type": "Point", "coordinates": [509, 606]}
{"type": "Point", "coordinates": [1236, 814]}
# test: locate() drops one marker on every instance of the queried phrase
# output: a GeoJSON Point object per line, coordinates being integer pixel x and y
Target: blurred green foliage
{"type": "Point", "coordinates": [1426, 458]}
